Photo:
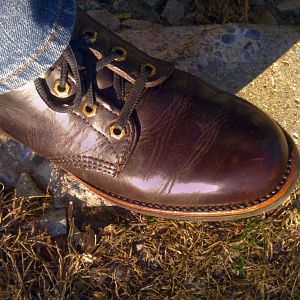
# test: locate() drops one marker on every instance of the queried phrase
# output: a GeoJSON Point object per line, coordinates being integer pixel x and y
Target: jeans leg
{"type": "Point", "coordinates": [33, 35]}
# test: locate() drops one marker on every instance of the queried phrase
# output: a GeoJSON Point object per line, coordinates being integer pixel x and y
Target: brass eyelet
{"type": "Point", "coordinates": [121, 52]}
{"type": "Point", "coordinates": [149, 68]}
{"type": "Point", "coordinates": [89, 111]}
{"type": "Point", "coordinates": [116, 132]}
{"type": "Point", "coordinates": [62, 93]}
{"type": "Point", "coordinates": [90, 35]}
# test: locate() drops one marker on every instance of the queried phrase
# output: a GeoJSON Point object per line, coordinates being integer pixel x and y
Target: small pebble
{"type": "Point", "coordinates": [139, 247]}
{"type": "Point", "coordinates": [253, 34]}
{"type": "Point", "coordinates": [54, 221]}
{"type": "Point", "coordinates": [228, 38]}
{"type": "Point", "coordinates": [229, 28]}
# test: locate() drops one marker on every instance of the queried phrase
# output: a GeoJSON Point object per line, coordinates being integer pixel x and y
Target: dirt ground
{"type": "Point", "coordinates": [111, 253]}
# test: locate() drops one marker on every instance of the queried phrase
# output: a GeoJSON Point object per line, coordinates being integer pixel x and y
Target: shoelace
{"type": "Point", "coordinates": [68, 64]}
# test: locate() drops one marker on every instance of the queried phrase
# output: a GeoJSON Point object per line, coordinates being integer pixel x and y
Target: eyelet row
{"type": "Point", "coordinates": [91, 111]}
{"type": "Point", "coordinates": [122, 53]}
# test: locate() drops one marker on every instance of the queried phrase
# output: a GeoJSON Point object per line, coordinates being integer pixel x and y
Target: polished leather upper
{"type": "Point", "coordinates": [187, 144]}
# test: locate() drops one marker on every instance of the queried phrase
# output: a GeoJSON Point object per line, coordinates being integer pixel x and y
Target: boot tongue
{"type": "Point", "coordinates": [104, 78]}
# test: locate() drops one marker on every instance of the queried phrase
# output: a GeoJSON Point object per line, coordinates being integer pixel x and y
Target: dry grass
{"type": "Point", "coordinates": [222, 11]}
{"type": "Point", "coordinates": [117, 254]}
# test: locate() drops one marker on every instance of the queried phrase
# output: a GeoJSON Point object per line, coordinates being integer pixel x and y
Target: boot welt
{"type": "Point", "coordinates": [278, 196]}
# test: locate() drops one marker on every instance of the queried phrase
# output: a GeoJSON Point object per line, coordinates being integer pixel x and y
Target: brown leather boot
{"type": "Point", "coordinates": [151, 138]}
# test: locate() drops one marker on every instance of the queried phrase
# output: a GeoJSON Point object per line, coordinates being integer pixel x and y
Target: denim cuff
{"type": "Point", "coordinates": [34, 34]}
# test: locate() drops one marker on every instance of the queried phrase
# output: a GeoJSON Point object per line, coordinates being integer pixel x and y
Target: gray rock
{"type": "Point", "coordinates": [137, 24]}
{"type": "Point", "coordinates": [27, 187]}
{"type": "Point", "coordinates": [15, 159]}
{"type": "Point", "coordinates": [289, 7]}
{"type": "Point", "coordinates": [17, 162]}
{"type": "Point", "coordinates": [106, 18]}
{"type": "Point", "coordinates": [174, 12]}
{"type": "Point", "coordinates": [42, 171]}
{"type": "Point", "coordinates": [54, 221]}
{"type": "Point", "coordinates": [260, 15]}
{"type": "Point", "coordinates": [267, 18]}
{"type": "Point", "coordinates": [64, 186]}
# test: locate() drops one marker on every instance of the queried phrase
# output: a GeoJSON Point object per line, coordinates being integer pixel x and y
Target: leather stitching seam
{"type": "Point", "coordinates": [90, 163]}
{"type": "Point", "coordinates": [83, 158]}
{"type": "Point", "coordinates": [124, 154]}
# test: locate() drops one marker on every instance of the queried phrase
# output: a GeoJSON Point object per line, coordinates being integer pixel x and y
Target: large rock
{"type": "Point", "coordinates": [174, 11]}
{"type": "Point", "coordinates": [53, 221]}
{"type": "Point", "coordinates": [259, 63]}
{"type": "Point", "coordinates": [25, 186]}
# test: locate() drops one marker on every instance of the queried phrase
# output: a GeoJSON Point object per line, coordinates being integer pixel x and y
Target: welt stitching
{"type": "Point", "coordinates": [92, 127]}
{"type": "Point", "coordinates": [211, 209]}
{"type": "Point", "coordinates": [41, 51]}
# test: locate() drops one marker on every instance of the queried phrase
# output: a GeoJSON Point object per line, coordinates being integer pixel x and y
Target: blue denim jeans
{"type": "Point", "coordinates": [33, 35]}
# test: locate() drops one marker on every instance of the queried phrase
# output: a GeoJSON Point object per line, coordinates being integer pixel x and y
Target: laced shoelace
{"type": "Point", "coordinates": [68, 65]}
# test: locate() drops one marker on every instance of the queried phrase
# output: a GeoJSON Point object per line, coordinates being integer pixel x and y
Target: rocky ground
{"type": "Point", "coordinates": [141, 13]}
{"type": "Point", "coordinates": [258, 62]}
